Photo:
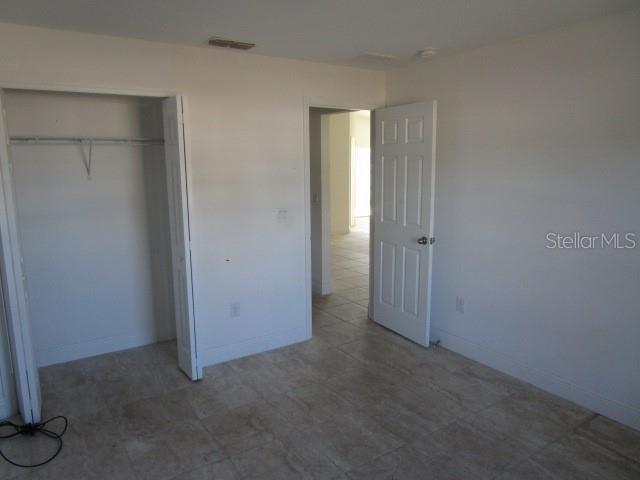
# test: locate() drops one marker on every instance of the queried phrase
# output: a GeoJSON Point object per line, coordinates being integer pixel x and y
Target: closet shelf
{"type": "Point", "coordinates": [20, 140]}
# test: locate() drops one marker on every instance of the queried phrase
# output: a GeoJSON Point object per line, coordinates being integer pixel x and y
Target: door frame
{"type": "Point", "coordinates": [325, 204]}
{"type": "Point", "coordinates": [23, 363]}
{"type": "Point", "coordinates": [329, 103]}
{"type": "Point", "coordinates": [352, 179]}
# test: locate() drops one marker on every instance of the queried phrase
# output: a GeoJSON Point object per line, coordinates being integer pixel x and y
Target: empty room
{"type": "Point", "coordinates": [331, 240]}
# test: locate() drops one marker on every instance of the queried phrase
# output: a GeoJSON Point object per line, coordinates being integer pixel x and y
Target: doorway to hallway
{"type": "Point", "coordinates": [402, 232]}
{"type": "Point", "coordinates": [350, 262]}
{"type": "Point", "coordinates": [340, 158]}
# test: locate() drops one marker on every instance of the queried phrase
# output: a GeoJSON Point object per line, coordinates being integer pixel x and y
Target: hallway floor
{"type": "Point", "coordinates": [355, 402]}
{"type": "Point", "coordinates": [350, 264]}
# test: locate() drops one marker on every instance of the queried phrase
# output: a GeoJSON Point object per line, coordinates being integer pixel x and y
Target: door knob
{"type": "Point", "coordinates": [423, 240]}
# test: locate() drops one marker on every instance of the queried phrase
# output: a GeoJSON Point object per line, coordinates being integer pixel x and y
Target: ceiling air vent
{"type": "Point", "coordinates": [225, 42]}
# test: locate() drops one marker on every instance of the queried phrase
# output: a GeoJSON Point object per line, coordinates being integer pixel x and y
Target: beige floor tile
{"type": "Point", "coordinates": [613, 435]}
{"type": "Point", "coordinates": [356, 401]}
{"type": "Point", "coordinates": [575, 457]}
{"type": "Point", "coordinates": [484, 452]}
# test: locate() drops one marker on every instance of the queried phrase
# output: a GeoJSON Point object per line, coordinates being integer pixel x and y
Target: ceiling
{"type": "Point", "coordinates": [370, 33]}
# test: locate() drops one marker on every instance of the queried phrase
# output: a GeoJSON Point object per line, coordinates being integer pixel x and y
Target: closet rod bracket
{"type": "Point", "coordinates": [87, 156]}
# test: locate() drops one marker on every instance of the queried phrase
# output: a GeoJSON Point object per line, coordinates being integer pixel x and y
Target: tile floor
{"type": "Point", "coordinates": [350, 265]}
{"type": "Point", "coordinates": [356, 402]}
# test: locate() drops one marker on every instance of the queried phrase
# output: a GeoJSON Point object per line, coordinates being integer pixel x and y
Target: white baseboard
{"type": "Point", "coordinates": [321, 288]}
{"type": "Point", "coordinates": [548, 381]}
{"type": "Point", "coordinates": [212, 356]}
{"type": "Point", "coordinates": [99, 346]}
{"type": "Point", "coordinates": [326, 287]}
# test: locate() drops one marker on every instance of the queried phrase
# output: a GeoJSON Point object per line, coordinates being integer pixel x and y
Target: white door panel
{"type": "Point", "coordinates": [16, 307]}
{"type": "Point", "coordinates": [175, 155]}
{"type": "Point", "coordinates": [404, 159]}
{"type": "Point", "coordinates": [7, 388]}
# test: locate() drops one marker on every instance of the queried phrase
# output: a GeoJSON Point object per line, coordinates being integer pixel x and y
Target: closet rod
{"type": "Point", "coordinates": [84, 140]}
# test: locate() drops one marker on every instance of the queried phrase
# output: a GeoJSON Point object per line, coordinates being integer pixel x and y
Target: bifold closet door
{"type": "Point", "coordinates": [14, 291]}
{"type": "Point", "coordinates": [177, 186]}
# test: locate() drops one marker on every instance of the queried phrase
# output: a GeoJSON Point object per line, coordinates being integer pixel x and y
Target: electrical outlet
{"type": "Point", "coordinates": [234, 309]}
{"type": "Point", "coordinates": [460, 305]}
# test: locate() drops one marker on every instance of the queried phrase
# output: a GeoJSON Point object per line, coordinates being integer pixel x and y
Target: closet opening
{"type": "Point", "coordinates": [96, 241]}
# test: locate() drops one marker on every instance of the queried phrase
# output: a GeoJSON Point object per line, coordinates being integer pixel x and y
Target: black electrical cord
{"type": "Point", "coordinates": [31, 429]}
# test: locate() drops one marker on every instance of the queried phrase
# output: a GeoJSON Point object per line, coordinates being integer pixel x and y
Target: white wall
{"type": "Point", "coordinates": [245, 114]}
{"type": "Point", "coordinates": [340, 164]}
{"type": "Point", "coordinates": [538, 135]}
{"type": "Point", "coordinates": [96, 252]}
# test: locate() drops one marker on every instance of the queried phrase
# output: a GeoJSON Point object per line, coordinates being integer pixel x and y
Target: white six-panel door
{"type": "Point", "coordinates": [175, 157]}
{"type": "Point", "coordinates": [404, 167]}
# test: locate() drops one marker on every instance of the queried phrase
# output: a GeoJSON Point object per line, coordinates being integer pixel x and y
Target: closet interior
{"type": "Point", "coordinates": [90, 188]}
